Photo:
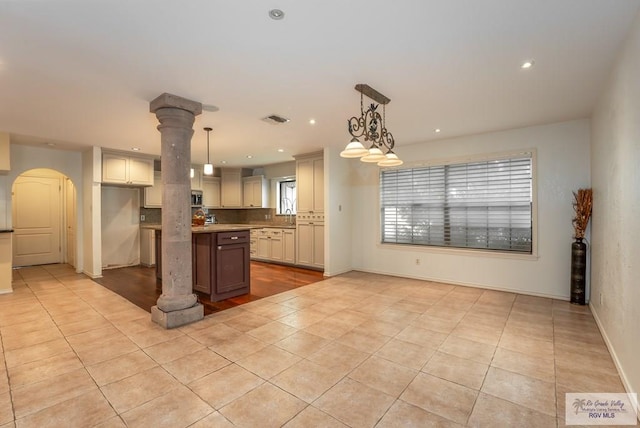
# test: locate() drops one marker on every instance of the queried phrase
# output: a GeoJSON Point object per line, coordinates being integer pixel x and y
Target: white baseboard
{"type": "Point", "coordinates": [468, 284]}
{"type": "Point", "coordinates": [91, 275]}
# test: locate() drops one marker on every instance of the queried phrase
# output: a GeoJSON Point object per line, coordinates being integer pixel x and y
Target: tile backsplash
{"type": "Point", "coordinates": [266, 216]}
{"type": "Point", "coordinates": [151, 215]}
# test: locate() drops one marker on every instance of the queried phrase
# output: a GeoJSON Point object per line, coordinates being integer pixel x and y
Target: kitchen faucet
{"type": "Point", "coordinates": [289, 214]}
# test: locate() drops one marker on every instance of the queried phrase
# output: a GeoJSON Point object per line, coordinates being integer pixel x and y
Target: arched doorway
{"type": "Point", "coordinates": [44, 220]}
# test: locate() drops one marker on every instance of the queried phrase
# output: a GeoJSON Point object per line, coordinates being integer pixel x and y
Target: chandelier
{"type": "Point", "coordinates": [371, 127]}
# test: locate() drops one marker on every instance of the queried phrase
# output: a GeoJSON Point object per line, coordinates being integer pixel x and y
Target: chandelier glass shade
{"type": "Point", "coordinates": [208, 167]}
{"type": "Point", "coordinates": [370, 127]}
{"type": "Point", "coordinates": [354, 149]}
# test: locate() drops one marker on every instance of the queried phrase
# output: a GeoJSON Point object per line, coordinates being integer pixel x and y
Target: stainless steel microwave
{"type": "Point", "coordinates": [196, 198]}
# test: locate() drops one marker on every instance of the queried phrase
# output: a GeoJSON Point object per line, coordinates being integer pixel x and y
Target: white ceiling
{"type": "Point", "coordinates": [82, 73]}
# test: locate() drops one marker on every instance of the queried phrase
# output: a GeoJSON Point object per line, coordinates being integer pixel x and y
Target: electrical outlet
{"type": "Point", "coordinates": [417, 262]}
{"type": "Point", "coordinates": [142, 217]}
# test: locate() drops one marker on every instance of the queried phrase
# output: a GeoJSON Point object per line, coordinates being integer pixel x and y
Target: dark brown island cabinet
{"type": "Point", "coordinates": [220, 261]}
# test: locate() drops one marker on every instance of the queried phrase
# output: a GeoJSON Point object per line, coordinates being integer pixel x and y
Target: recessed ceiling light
{"type": "Point", "coordinates": [51, 144]}
{"type": "Point", "coordinates": [281, 150]}
{"type": "Point", "coordinates": [276, 14]}
{"type": "Point", "coordinates": [312, 121]}
{"type": "Point", "coordinates": [135, 149]}
{"type": "Point", "coordinates": [249, 157]}
{"type": "Point", "coordinates": [437, 130]}
{"type": "Point", "coordinates": [223, 162]}
{"type": "Point", "coordinates": [527, 64]}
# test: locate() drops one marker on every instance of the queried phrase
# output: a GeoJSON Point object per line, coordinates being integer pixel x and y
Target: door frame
{"type": "Point", "coordinates": [63, 214]}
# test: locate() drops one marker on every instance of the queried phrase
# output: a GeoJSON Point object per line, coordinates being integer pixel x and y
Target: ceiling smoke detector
{"type": "Point", "coordinates": [275, 119]}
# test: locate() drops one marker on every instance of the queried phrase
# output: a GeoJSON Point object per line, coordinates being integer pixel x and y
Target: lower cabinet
{"type": "Point", "coordinates": [220, 263]}
{"type": "Point", "coordinates": [310, 244]}
{"type": "Point", "coordinates": [147, 247]}
{"type": "Point", "coordinates": [270, 244]}
{"type": "Point", "coordinates": [289, 246]}
{"type": "Point", "coordinates": [253, 243]}
{"type": "Point", "coordinates": [232, 271]}
{"type": "Point", "coordinates": [274, 245]}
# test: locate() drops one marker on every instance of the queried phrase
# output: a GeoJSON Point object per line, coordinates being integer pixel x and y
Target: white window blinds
{"type": "Point", "coordinates": [484, 205]}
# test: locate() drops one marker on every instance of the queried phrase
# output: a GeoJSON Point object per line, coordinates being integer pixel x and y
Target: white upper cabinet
{"type": "Point", "coordinates": [231, 188]}
{"type": "Point", "coordinates": [310, 184]}
{"type": "Point", "coordinates": [196, 180]}
{"type": "Point", "coordinates": [153, 194]}
{"type": "Point", "coordinates": [211, 192]}
{"type": "Point", "coordinates": [127, 170]}
{"type": "Point", "coordinates": [255, 192]}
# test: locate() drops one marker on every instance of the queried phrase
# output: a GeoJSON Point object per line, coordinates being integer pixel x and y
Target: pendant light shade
{"type": "Point", "coordinates": [208, 167]}
{"type": "Point", "coordinates": [375, 155]}
{"type": "Point", "coordinates": [391, 159]}
{"type": "Point", "coordinates": [354, 149]}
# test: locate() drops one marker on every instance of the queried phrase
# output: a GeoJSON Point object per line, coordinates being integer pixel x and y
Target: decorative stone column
{"type": "Point", "coordinates": [177, 305]}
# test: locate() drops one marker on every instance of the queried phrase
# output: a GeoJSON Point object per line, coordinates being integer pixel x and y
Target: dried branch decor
{"type": "Point", "coordinates": [583, 200]}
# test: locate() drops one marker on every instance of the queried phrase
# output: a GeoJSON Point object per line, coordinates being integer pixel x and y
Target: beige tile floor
{"type": "Point", "coordinates": [357, 350]}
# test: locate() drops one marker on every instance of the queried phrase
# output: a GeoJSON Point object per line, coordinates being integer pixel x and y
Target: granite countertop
{"type": "Point", "coordinates": [220, 227]}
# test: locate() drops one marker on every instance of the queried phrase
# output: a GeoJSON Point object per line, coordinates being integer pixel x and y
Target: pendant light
{"type": "Point", "coordinates": [371, 126]}
{"type": "Point", "coordinates": [208, 167]}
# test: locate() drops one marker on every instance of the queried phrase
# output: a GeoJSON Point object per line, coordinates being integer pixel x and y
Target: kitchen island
{"type": "Point", "coordinates": [219, 258]}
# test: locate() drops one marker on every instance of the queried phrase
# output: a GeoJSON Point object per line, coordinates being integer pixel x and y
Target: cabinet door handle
{"type": "Point", "coordinates": [234, 237]}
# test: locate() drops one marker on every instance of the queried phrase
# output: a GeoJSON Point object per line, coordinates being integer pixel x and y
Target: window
{"type": "Point", "coordinates": [485, 205]}
{"type": "Point", "coordinates": [286, 189]}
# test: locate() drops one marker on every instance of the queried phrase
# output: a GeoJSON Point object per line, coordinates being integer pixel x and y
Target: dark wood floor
{"type": "Point", "coordinates": [138, 284]}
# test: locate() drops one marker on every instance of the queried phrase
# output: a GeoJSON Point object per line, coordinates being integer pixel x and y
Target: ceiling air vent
{"type": "Point", "coordinates": [274, 119]}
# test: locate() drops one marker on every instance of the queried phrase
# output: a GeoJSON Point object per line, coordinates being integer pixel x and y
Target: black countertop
{"type": "Point", "coordinates": [6, 230]}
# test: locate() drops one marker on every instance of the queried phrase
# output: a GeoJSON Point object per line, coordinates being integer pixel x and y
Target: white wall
{"type": "Point", "coordinates": [24, 158]}
{"type": "Point", "coordinates": [91, 249]}
{"type": "Point", "coordinates": [562, 166]}
{"type": "Point", "coordinates": [5, 201]}
{"type": "Point", "coordinates": [338, 210]}
{"type": "Point", "coordinates": [615, 230]}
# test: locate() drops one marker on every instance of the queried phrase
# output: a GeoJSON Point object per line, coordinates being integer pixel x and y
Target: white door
{"type": "Point", "coordinates": [70, 211]}
{"type": "Point", "coordinates": [37, 202]}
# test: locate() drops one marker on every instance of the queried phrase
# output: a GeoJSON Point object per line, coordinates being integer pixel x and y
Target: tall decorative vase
{"type": "Point", "coordinates": [578, 271]}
